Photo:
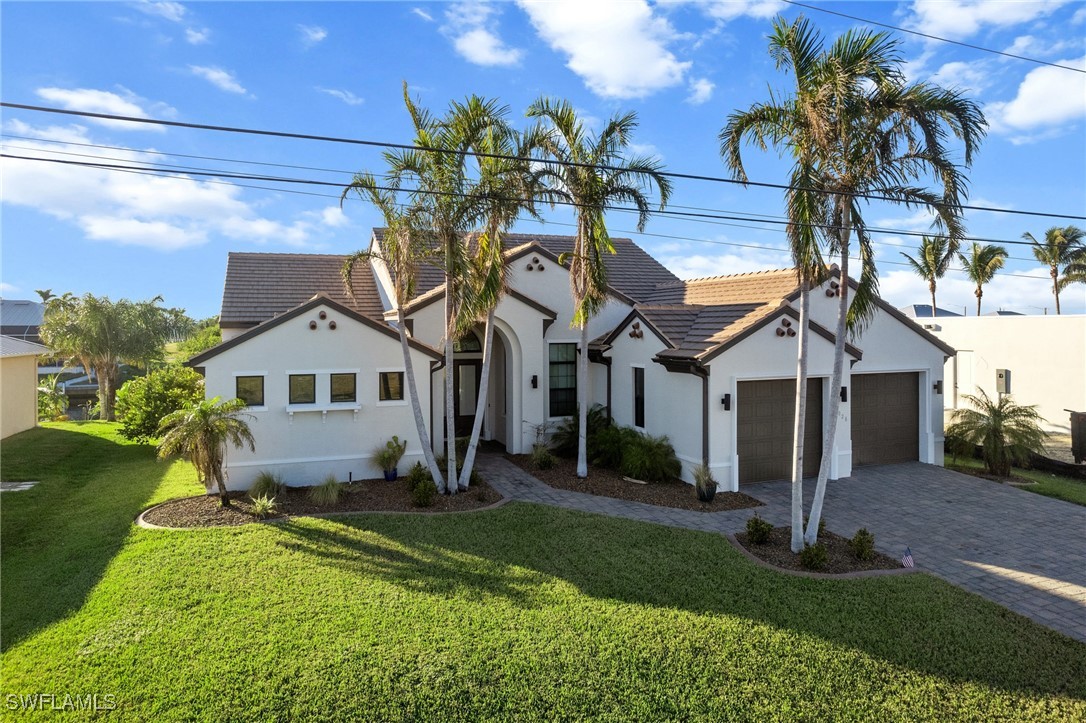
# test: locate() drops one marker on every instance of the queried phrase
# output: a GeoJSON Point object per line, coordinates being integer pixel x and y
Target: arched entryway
{"type": "Point", "coordinates": [502, 398]}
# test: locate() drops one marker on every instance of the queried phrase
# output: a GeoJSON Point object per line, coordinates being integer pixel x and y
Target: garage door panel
{"type": "Point", "coordinates": [765, 417]}
{"type": "Point", "coordinates": [885, 418]}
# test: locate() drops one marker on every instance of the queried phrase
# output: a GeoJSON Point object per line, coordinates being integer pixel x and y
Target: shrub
{"type": "Point", "coordinates": [200, 340]}
{"type": "Point", "coordinates": [267, 484]}
{"type": "Point", "coordinates": [388, 455]}
{"type": "Point", "coordinates": [424, 493]}
{"type": "Point", "coordinates": [1007, 431]}
{"type": "Point", "coordinates": [416, 475]}
{"type": "Point", "coordinates": [648, 458]}
{"type": "Point", "coordinates": [813, 557]}
{"type": "Point", "coordinates": [52, 402]}
{"type": "Point", "coordinates": [143, 402]}
{"type": "Point", "coordinates": [264, 507]}
{"type": "Point", "coordinates": [758, 530]}
{"type": "Point", "coordinates": [606, 445]}
{"type": "Point", "coordinates": [327, 492]}
{"type": "Point", "coordinates": [541, 457]}
{"type": "Point", "coordinates": [565, 439]}
{"type": "Point", "coordinates": [704, 483]}
{"type": "Point", "coordinates": [862, 544]}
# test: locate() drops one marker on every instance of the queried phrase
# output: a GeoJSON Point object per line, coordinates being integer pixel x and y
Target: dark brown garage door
{"type": "Point", "coordinates": [766, 413]}
{"type": "Point", "coordinates": [885, 418]}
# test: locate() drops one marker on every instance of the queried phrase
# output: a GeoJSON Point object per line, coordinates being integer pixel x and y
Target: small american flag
{"type": "Point", "coordinates": [907, 558]}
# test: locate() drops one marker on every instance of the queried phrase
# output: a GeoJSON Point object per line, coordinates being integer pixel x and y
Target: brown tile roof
{"type": "Point", "coordinates": [260, 286]}
{"type": "Point", "coordinates": [756, 287]}
{"type": "Point", "coordinates": [693, 330]}
{"type": "Point", "coordinates": [630, 271]}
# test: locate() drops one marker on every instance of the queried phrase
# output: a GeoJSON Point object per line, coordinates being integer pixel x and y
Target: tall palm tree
{"type": "Point", "coordinates": [864, 131]}
{"type": "Point", "coordinates": [1061, 247]}
{"type": "Point", "coordinates": [932, 261]}
{"type": "Point", "coordinates": [103, 334]}
{"type": "Point", "coordinates": [401, 252]}
{"type": "Point", "coordinates": [201, 433]}
{"type": "Point", "coordinates": [981, 265]}
{"type": "Point", "coordinates": [592, 173]}
{"type": "Point", "coordinates": [1007, 431]}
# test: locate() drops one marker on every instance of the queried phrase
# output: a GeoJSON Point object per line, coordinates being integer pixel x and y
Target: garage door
{"type": "Point", "coordinates": [885, 418]}
{"type": "Point", "coordinates": [765, 415]}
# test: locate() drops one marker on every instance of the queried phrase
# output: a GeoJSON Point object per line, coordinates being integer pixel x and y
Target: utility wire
{"type": "Point", "coordinates": [479, 154]}
{"type": "Point", "coordinates": [817, 8]}
{"type": "Point", "coordinates": [686, 215]}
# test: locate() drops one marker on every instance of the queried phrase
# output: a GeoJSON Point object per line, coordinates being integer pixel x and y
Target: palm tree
{"type": "Point", "coordinates": [981, 265]}
{"type": "Point", "coordinates": [591, 173]}
{"type": "Point", "coordinates": [1008, 432]}
{"type": "Point", "coordinates": [931, 262]}
{"type": "Point", "coordinates": [401, 253]}
{"type": "Point", "coordinates": [863, 131]}
{"type": "Point", "coordinates": [201, 433]}
{"type": "Point", "coordinates": [103, 334]}
{"type": "Point", "coordinates": [1061, 247]}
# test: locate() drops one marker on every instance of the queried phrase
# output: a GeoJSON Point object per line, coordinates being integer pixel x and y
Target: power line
{"type": "Point", "coordinates": [479, 154]}
{"type": "Point", "coordinates": [931, 37]}
{"type": "Point", "coordinates": [686, 215]}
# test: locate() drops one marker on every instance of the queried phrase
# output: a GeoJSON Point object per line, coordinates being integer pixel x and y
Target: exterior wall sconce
{"type": "Point", "coordinates": [726, 402]}
{"type": "Point", "coordinates": [938, 387]}
{"type": "Point", "coordinates": [535, 381]}
{"type": "Point", "coordinates": [844, 394]}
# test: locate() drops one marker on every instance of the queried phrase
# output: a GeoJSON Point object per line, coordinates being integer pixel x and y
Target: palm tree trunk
{"type": "Point", "coordinates": [416, 405]}
{"type": "Point", "coordinates": [979, 295]}
{"type": "Point", "coordinates": [933, 299]}
{"type": "Point", "coordinates": [811, 536]}
{"type": "Point", "coordinates": [801, 417]}
{"type": "Point", "coordinates": [582, 404]}
{"type": "Point", "coordinates": [481, 404]}
{"type": "Point", "coordinates": [1055, 272]}
{"type": "Point", "coordinates": [450, 409]}
{"type": "Point", "coordinates": [107, 390]}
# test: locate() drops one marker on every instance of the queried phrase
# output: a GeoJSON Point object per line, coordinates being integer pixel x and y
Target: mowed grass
{"type": "Point", "coordinates": [521, 613]}
{"type": "Point", "coordinates": [1064, 488]}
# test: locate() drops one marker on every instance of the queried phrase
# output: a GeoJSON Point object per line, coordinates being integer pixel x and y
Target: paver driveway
{"type": "Point", "coordinates": [1021, 550]}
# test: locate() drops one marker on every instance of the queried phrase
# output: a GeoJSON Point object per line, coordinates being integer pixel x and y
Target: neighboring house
{"type": "Point", "coordinates": [1045, 354]}
{"type": "Point", "coordinates": [21, 319]}
{"type": "Point", "coordinates": [923, 311]}
{"type": "Point", "coordinates": [711, 363]}
{"type": "Point", "coordinates": [18, 385]}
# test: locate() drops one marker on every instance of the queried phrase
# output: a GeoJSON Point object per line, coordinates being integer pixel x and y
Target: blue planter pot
{"type": "Point", "coordinates": [391, 476]}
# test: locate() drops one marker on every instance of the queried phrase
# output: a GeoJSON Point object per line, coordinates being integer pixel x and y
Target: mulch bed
{"type": "Point", "coordinates": [778, 552]}
{"type": "Point", "coordinates": [362, 496]}
{"type": "Point", "coordinates": [609, 483]}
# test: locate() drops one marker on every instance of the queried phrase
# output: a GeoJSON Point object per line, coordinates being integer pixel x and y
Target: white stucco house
{"type": "Point", "coordinates": [708, 362]}
{"type": "Point", "coordinates": [18, 384]}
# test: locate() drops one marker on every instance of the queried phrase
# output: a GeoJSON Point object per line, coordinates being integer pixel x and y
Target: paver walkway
{"type": "Point", "coordinates": [1021, 550]}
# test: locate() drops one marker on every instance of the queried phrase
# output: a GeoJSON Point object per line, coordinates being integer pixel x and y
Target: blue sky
{"type": "Point", "coordinates": [336, 69]}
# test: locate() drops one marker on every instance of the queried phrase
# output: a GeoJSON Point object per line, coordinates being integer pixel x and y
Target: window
{"type": "Point", "coordinates": [563, 376]}
{"type": "Point", "coordinates": [342, 388]}
{"type": "Point", "coordinates": [303, 388]}
{"type": "Point", "coordinates": [391, 386]}
{"type": "Point", "coordinates": [639, 397]}
{"type": "Point", "coordinates": [468, 343]}
{"type": "Point", "coordinates": [250, 390]}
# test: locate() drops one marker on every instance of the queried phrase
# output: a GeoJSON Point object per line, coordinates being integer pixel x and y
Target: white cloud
{"type": "Point", "coordinates": [1047, 97]}
{"type": "Point", "coordinates": [174, 12]}
{"type": "Point", "coordinates": [902, 287]}
{"type": "Point", "coordinates": [423, 14]}
{"type": "Point", "coordinates": [197, 37]}
{"type": "Point", "coordinates": [963, 18]}
{"type": "Point", "coordinates": [472, 27]}
{"type": "Point", "coordinates": [6, 288]}
{"type": "Point", "coordinates": [164, 213]}
{"type": "Point", "coordinates": [732, 9]}
{"type": "Point", "coordinates": [104, 101]}
{"type": "Point", "coordinates": [701, 90]}
{"type": "Point", "coordinates": [221, 79]}
{"type": "Point", "coordinates": [344, 95]}
{"type": "Point", "coordinates": [618, 49]}
{"type": "Point", "coordinates": [963, 76]}
{"type": "Point", "coordinates": [683, 260]}
{"type": "Point", "coordinates": [312, 34]}
{"type": "Point", "coordinates": [334, 217]}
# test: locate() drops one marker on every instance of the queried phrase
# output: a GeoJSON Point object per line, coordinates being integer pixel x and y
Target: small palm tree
{"type": "Point", "coordinates": [1007, 431]}
{"type": "Point", "coordinates": [981, 265]}
{"type": "Point", "coordinates": [201, 433]}
{"type": "Point", "coordinates": [1061, 247]}
{"type": "Point", "coordinates": [932, 261]}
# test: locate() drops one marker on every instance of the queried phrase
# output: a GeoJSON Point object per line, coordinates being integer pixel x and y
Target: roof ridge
{"type": "Point", "coordinates": [719, 277]}
{"type": "Point", "coordinates": [282, 253]}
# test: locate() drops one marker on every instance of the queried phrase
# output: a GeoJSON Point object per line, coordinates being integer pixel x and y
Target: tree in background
{"type": "Point", "coordinates": [52, 402]}
{"type": "Point", "coordinates": [592, 173]}
{"type": "Point", "coordinates": [1061, 247]}
{"type": "Point", "coordinates": [201, 432]}
{"type": "Point", "coordinates": [143, 402]}
{"type": "Point", "coordinates": [1008, 432]}
{"type": "Point", "coordinates": [103, 334]}
{"type": "Point", "coordinates": [981, 264]}
{"type": "Point", "coordinates": [206, 334]}
{"type": "Point", "coordinates": [932, 261]}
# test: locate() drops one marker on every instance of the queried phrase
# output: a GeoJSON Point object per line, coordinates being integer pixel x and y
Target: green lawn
{"type": "Point", "coordinates": [1048, 484]}
{"type": "Point", "coordinates": [525, 612]}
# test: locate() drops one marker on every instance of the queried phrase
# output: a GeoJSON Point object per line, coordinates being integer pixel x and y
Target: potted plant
{"type": "Point", "coordinates": [704, 484]}
{"type": "Point", "coordinates": [389, 455]}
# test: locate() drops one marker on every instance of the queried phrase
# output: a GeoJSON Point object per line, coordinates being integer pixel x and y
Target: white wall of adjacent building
{"type": "Point", "coordinates": [18, 394]}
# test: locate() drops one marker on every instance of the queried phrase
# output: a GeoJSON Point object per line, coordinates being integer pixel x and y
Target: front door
{"type": "Point", "coordinates": [466, 394]}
